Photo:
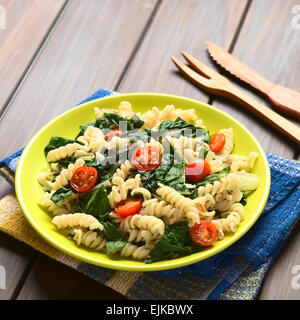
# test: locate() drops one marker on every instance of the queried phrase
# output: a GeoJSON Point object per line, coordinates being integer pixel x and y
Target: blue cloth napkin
{"type": "Point", "coordinates": [237, 272]}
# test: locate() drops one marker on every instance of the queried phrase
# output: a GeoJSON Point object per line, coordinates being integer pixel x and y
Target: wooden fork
{"type": "Point", "coordinates": [214, 83]}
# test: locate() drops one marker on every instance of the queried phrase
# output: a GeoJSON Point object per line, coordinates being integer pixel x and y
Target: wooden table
{"type": "Point", "coordinates": [54, 53]}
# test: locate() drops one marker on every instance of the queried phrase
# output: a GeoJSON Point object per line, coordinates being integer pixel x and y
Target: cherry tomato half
{"type": "Point", "coordinates": [197, 169]}
{"type": "Point", "coordinates": [204, 233]}
{"type": "Point", "coordinates": [217, 141]}
{"type": "Point", "coordinates": [146, 158]}
{"type": "Point", "coordinates": [84, 179]}
{"type": "Point", "coordinates": [129, 207]}
{"type": "Point", "coordinates": [113, 133]}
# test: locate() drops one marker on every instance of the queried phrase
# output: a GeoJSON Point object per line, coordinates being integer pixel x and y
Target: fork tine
{"type": "Point", "coordinates": [191, 74]}
{"type": "Point", "coordinates": [199, 66]}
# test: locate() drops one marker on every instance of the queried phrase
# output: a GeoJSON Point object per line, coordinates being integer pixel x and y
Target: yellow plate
{"type": "Point", "coordinates": [33, 161]}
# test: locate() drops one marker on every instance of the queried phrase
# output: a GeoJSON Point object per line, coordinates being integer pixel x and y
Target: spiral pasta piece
{"type": "Point", "coordinates": [228, 146]}
{"type": "Point", "coordinates": [125, 109]}
{"type": "Point", "coordinates": [183, 142]}
{"type": "Point", "coordinates": [62, 152]}
{"type": "Point", "coordinates": [114, 197]}
{"type": "Point", "coordinates": [98, 113]}
{"type": "Point", "coordinates": [151, 118]}
{"type": "Point", "coordinates": [83, 153]}
{"type": "Point", "coordinates": [147, 236]}
{"type": "Point", "coordinates": [66, 174]}
{"type": "Point", "coordinates": [115, 217]}
{"type": "Point", "coordinates": [93, 139]}
{"type": "Point", "coordinates": [183, 204]}
{"type": "Point", "coordinates": [230, 220]}
{"type": "Point", "coordinates": [238, 162]}
{"type": "Point", "coordinates": [77, 220]}
{"type": "Point", "coordinates": [120, 189]}
{"type": "Point", "coordinates": [139, 253]}
{"type": "Point", "coordinates": [152, 143]}
{"type": "Point", "coordinates": [45, 177]}
{"type": "Point", "coordinates": [187, 147]}
{"type": "Point", "coordinates": [90, 239]}
{"type": "Point", "coordinates": [124, 170]}
{"type": "Point", "coordinates": [204, 204]}
{"type": "Point", "coordinates": [161, 209]}
{"type": "Point", "coordinates": [144, 192]}
{"type": "Point", "coordinates": [46, 202]}
{"type": "Point", "coordinates": [220, 189]}
{"type": "Point", "coordinates": [117, 143]}
{"type": "Point", "coordinates": [138, 221]}
{"type": "Point", "coordinates": [215, 165]}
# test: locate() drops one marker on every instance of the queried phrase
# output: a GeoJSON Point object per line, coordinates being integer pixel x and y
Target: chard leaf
{"type": "Point", "coordinates": [203, 153]}
{"type": "Point", "coordinates": [115, 246]}
{"type": "Point", "coordinates": [110, 120]}
{"type": "Point", "coordinates": [185, 128]}
{"type": "Point", "coordinates": [176, 241]}
{"type": "Point", "coordinates": [98, 203]}
{"type": "Point", "coordinates": [170, 173]}
{"type": "Point", "coordinates": [83, 127]}
{"type": "Point", "coordinates": [111, 232]}
{"type": "Point", "coordinates": [244, 199]}
{"type": "Point", "coordinates": [209, 179]}
{"type": "Point", "coordinates": [143, 135]}
{"type": "Point", "coordinates": [61, 195]}
{"type": "Point", "coordinates": [214, 177]}
{"type": "Point", "coordinates": [136, 122]}
{"type": "Point", "coordinates": [56, 142]}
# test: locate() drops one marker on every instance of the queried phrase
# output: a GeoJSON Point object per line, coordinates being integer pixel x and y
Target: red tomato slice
{"type": "Point", "coordinates": [203, 233]}
{"type": "Point", "coordinates": [146, 158]}
{"type": "Point", "coordinates": [217, 141]}
{"type": "Point", "coordinates": [129, 207]}
{"type": "Point", "coordinates": [197, 169]}
{"type": "Point", "coordinates": [84, 179]}
{"type": "Point", "coordinates": [112, 133]}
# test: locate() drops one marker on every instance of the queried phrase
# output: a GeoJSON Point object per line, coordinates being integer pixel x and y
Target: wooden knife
{"type": "Point", "coordinates": [284, 99]}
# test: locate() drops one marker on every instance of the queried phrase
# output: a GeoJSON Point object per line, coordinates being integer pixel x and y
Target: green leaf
{"type": "Point", "coordinates": [176, 241]}
{"type": "Point", "coordinates": [98, 203]}
{"type": "Point", "coordinates": [56, 142]}
{"type": "Point", "coordinates": [214, 177]}
{"type": "Point", "coordinates": [185, 128]}
{"type": "Point", "coordinates": [244, 199]}
{"type": "Point", "coordinates": [64, 163]}
{"type": "Point", "coordinates": [61, 195]}
{"type": "Point", "coordinates": [111, 232]}
{"type": "Point", "coordinates": [203, 153]}
{"type": "Point", "coordinates": [136, 122]}
{"type": "Point", "coordinates": [133, 135]}
{"type": "Point", "coordinates": [170, 173]}
{"type": "Point", "coordinates": [83, 127]}
{"type": "Point", "coordinates": [115, 246]}
{"type": "Point", "coordinates": [209, 179]}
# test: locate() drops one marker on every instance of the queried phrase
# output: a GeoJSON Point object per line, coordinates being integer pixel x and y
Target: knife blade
{"type": "Point", "coordinates": [284, 99]}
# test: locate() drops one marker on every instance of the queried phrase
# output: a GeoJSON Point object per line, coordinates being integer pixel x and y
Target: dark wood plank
{"type": "Point", "coordinates": [27, 23]}
{"type": "Point", "coordinates": [62, 283]}
{"type": "Point", "coordinates": [14, 257]}
{"type": "Point", "coordinates": [181, 25]}
{"type": "Point", "coordinates": [87, 50]}
{"type": "Point", "coordinates": [270, 45]}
